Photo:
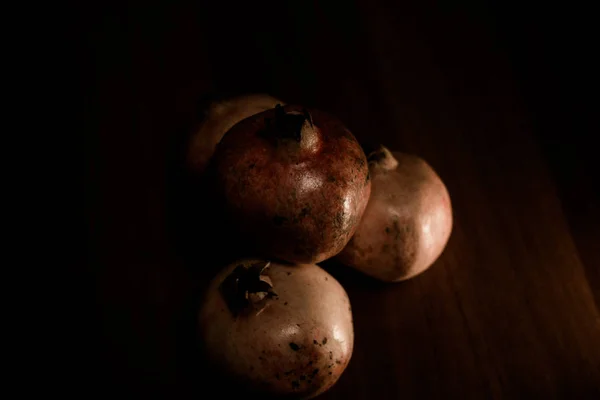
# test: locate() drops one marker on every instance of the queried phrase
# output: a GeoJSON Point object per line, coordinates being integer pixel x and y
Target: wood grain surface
{"type": "Point", "coordinates": [511, 308]}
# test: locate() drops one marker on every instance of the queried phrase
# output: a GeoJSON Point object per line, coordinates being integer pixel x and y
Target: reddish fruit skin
{"type": "Point", "coordinates": [296, 202]}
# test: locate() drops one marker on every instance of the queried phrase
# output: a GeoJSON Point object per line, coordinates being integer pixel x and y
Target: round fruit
{"type": "Point", "coordinates": [278, 329]}
{"type": "Point", "coordinates": [294, 182]}
{"type": "Point", "coordinates": [219, 117]}
{"type": "Point", "coordinates": [407, 222]}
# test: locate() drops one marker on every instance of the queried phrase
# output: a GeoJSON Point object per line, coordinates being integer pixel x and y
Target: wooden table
{"type": "Point", "coordinates": [510, 310]}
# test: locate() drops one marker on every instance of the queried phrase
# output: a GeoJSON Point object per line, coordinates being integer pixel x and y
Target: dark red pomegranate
{"type": "Point", "coordinates": [294, 182]}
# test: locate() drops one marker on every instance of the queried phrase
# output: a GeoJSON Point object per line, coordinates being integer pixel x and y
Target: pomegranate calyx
{"type": "Point", "coordinates": [383, 158]}
{"type": "Point", "coordinates": [293, 125]}
{"type": "Point", "coordinates": [246, 286]}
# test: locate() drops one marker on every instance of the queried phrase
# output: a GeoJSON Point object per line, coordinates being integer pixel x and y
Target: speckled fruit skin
{"type": "Point", "coordinates": [407, 222]}
{"type": "Point", "coordinates": [297, 344]}
{"type": "Point", "coordinates": [298, 202]}
{"type": "Point", "coordinates": [219, 117]}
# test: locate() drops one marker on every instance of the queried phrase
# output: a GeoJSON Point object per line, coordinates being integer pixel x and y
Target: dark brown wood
{"type": "Point", "coordinates": [510, 310]}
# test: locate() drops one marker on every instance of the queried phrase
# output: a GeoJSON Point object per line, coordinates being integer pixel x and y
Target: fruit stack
{"type": "Point", "coordinates": [300, 188]}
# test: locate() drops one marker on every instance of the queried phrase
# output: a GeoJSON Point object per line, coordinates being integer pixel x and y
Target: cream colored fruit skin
{"type": "Point", "coordinates": [412, 202]}
{"type": "Point", "coordinates": [311, 306]}
{"type": "Point", "coordinates": [222, 116]}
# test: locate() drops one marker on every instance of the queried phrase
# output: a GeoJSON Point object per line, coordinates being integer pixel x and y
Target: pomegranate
{"type": "Point", "coordinates": [407, 222]}
{"type": "Point", "coordinates": [277, 329]}
{"type": "Point", "coordinates": [219, 117]}
{"type": "Point", "coordinates": [295, 183]}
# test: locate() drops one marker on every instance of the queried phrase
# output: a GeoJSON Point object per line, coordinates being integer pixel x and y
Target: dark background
{"type": "Point", "coordinates": [496, 96]}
